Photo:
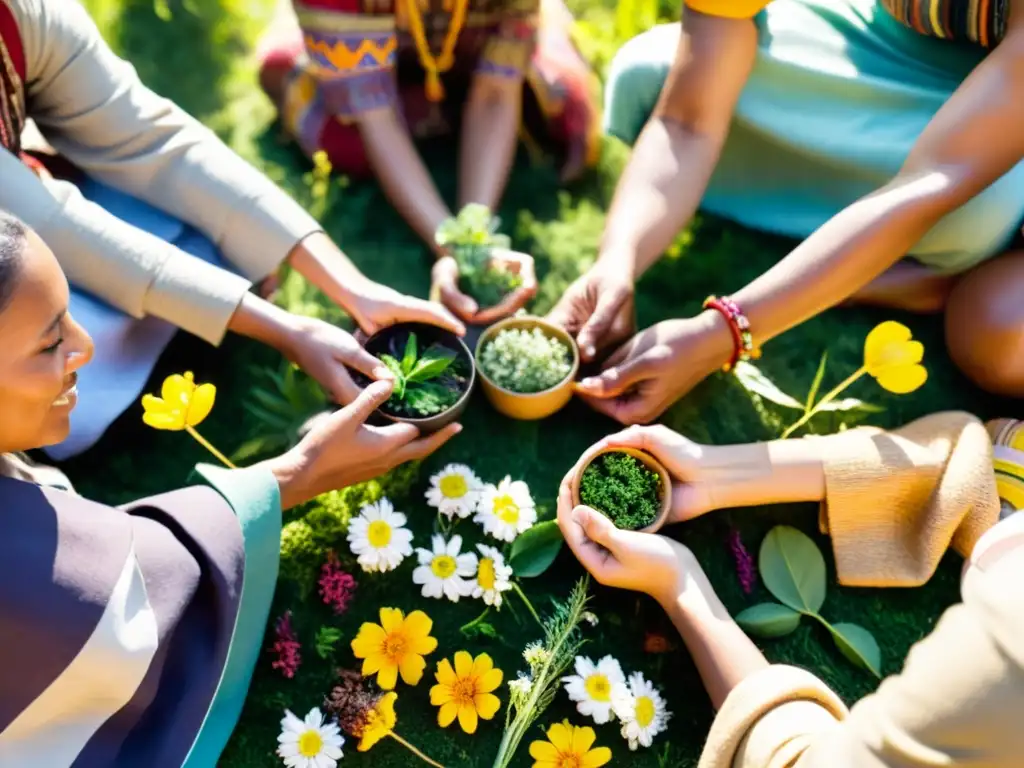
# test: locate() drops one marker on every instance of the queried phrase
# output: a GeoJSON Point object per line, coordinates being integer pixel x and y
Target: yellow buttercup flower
{"type": "Point", "coordinates": [181, 404]}
{"type": "Point", "coordinates": [894, 358]}
{"type": "Point", "coordinates": [380, 722]}
{"type": "Point", "coordinates": [466, 691]}
{"type": "Point", "coordinates": [396, 645]}
{"type": "Point", "coordinates": [569, 746]}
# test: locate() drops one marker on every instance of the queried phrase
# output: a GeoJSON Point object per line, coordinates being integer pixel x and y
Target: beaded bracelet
{"type": "Point", "coordinates": [739, 325]}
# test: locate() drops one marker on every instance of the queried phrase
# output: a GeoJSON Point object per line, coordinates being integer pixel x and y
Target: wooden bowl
{"type": "Point", "coordinates": [649, 461]}
{"type": "Point", "coordinates": [534, 405]}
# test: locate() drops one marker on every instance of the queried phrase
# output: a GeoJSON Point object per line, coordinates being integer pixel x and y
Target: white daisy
{"type": "Point", "coordinates": [506, 509]}
{"type": "Point", "coordinates": [598, 689]}
{"type": "Point", "coordinates": [310, 743]}
{"type": "Point", "coordinates": [379, 538]}
{"type": "Point", "coordinates": [644, 714]}
{"type": "Point", "coordinates": [454, 491]}
{"type": "Point", "coordinates": [443, 572]}
{"type": "Point", "coordinates": [493, 576]}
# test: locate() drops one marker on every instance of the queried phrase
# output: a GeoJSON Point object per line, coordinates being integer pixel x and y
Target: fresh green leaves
{"type": "Point", "coordinates": [768, 620]}
{"type": "Point", "coordinates": [535, 549]}
{"type": "Point", "coordinates": [326, 640]}
{"type": "Point", "coordinates": [471, 237]}
{"type": "Point", "coordinates": [793, 570]}
{"type": "Point", "coordinates": [415, 375]}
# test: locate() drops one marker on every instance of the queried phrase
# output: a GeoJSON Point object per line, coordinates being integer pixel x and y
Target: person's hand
{"type": "Point", "coordinates": [692, 489]}
{"type": "Point", "coordinates": [445, 279]}
{"type": "Point", "coordinates": [374, 306]}
{"type": "Point", "coordinates": [644, 562]}
{"type": "Point", "coordinates": [597, 309]}
{"type": "Point", "coordinates": [656, 367]}
{"type": "Point", "coordinates": [326, 352]}
{"type": "Point", "coordinates": [341, 449]}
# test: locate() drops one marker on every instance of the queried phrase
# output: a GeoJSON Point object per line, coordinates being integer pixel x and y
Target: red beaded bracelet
{"type": "Point", "coordinates": [739, 325]}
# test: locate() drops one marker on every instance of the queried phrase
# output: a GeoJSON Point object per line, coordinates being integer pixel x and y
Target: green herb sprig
{"type": "Point", "coordinates": [471, 237]}
{"type": "Point", "coordinates": [416, 388]}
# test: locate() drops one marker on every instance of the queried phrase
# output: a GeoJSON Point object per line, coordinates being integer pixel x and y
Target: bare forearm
{"type": "Point", "coordinates": [321, 262]}
{"type": "Point", "coordinates": [262, 321]}
{"type": "Point", "coordinates": [845, 254]}
{"type": "Point", "coordinates": [783, 471]}
{"type": "Point", "coordinates": [490, 131]}
{"type": "Point", "coordinates": [403, 175]}
{"type": "Point", "coordinates": [723, 654]}
{"type": "Point", "coordinates": [658, 193]}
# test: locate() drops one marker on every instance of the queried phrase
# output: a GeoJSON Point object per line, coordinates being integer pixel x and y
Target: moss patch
{"type": "Point", "coordinates": [623, 488]}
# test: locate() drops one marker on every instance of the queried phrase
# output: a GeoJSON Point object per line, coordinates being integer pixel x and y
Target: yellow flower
{"type": "Point", "coordinates": [569, 747]}
{"type": "Point", "coordinates": [894, 359]}
{"type": "Point", "coordinates": [380, 722]}
{"type": "Point", "coordinates": [397, 644]}
{"type": "Point", "coordinates": [181, 403]}
{"type": "Point", "coordinates": [466, 690]}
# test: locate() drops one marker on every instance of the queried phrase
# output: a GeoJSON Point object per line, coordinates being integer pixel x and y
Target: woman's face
{"type": "Point", "coordinates": [41, 347]}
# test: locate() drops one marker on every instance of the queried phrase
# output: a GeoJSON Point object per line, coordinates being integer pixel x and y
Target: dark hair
{"type": "Point", "coordinates": [13, 236]}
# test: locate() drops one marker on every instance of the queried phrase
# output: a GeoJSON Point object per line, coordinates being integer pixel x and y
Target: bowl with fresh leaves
{"type": "Point", "coordinates": [630, 487]}
{"type": "Point", "coordinates": [434, 374]}
{"type": "Point", "coordinates": [471, 238]}
{"type": "Point", "coordinates": [527, 366]}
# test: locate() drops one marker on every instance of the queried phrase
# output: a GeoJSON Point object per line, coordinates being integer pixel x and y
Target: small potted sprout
{"type": "Point", "coordinates": [630, 487]}
{"type": "Point", "coordinates": [471, 238]}
{"type": "Point", "coordinates": [527, 366]}
{"type": "Point", "coordinates": [434, 374]}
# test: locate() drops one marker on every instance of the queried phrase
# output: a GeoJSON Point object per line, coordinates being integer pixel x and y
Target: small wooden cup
{"type": "Point", "coordinates": [533, 405]}
{"type": "Point", "coordinates": [649, 461]}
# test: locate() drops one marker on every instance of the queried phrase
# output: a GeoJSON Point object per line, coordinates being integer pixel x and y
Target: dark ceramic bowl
{"type": "Point", "coordinates": [387, 340]}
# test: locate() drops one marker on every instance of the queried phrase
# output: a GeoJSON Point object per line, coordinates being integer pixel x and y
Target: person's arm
{"type": "Point", "coordinates": [493, 111]}
{"type": "Point", "coordinates": [973, 140]}
{"type": "Point", "coordinates": [677, 150]}
{"type": "Point", "coordinates": [91, 106]}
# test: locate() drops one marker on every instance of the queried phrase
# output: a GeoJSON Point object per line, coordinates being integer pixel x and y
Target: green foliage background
{"type": "Point", "coordinates": [198, 52]}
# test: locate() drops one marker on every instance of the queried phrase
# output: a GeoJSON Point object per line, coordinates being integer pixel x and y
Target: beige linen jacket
{"type": "Point", "coordinates": [92, 107]}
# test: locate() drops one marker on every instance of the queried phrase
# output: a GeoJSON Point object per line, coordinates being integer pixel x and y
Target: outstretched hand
{"type": "Point", "coordinates": [597, 309]}
{"type": "Point", "coordinates": [445, 279]}
{"type": "Point", "coordinates": [340, 449]}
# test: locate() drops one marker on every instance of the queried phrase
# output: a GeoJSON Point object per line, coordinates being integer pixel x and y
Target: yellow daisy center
{"type": "Point", "coordinates": [598, 688]}
{"type": "Point", "coordinates": [395, 646]}
{"type": "Point", "coordinates": [506, 510]}
{"type": "Point", "coordinates": [310, 744]}
{"type": "Point", "coordinates": [443, 566]}
{"type": "Point", "coordinates": [378, 533]}
{"type": "Point", "coordinates": [485, 577]}
{"type": "Point", "coordinates": [453, 486]}
{"type": "Point", "coordinates": [644, 711]}
{"type": "Point", "coordinates": [570, 761]}
{"type": "Point", "coordinates": [464, 691]}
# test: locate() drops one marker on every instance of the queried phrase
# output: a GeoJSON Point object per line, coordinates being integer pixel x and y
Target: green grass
{"type": "Point", "coordinates": [199, 58]}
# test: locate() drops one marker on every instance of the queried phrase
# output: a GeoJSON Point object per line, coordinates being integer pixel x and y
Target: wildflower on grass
{"type": "Point", "coordinates": [536, 655]}
{"type": "Point", "coordinates": [286, 646]}
{"type": "Point", "coordinates": [336, 586]}
{"type": "Point", "coordinates": [891, 356]}
{"type": "Point", "coordinates": [309, 743]}
{"type": "Point", "coordinates": [493, 576]}
{"type": "Point", "coordinates": [569, 745]}
{"type": "Point", "coordinates": [396, 645]}
{"type": "Point", "coordinates": [378, 537]}
{"type": "Point", "coordinates": [366, 714]}
{"type": "Point", "coordinates": [598, 688]}
{"type": "Point", "coordinates": [644, 714]}
{"type": "Point", "coordinates": [443, 570]}
{"type": "Point", "coordinates": [506, 509]}
{"type": "Point", "coordinates": [454, 491]}
{"type": "Point", "coordinates": [520, 687]}
{"type": "Point", "coordinates": [466, 691]}
{"type": "Point", "coordinates": [182, 406]}
{"type": "Point", "coordinates": [745, 571]}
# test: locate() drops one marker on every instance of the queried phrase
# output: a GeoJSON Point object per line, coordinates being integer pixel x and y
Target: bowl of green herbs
{"type": "Point", "coordinates": [630, 487]}
{"type": "Point", "coordinates": [434, 374]}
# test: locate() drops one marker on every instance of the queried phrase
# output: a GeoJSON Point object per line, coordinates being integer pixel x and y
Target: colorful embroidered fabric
{"type": "Point", "coordinates": [978, 21]}
{"type": "Point", "coordinates": [12, 75]}
{"type": "Point", "coordinates": [357, 55]}
{"type": "Point", "coordinates": [1008, 458]}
